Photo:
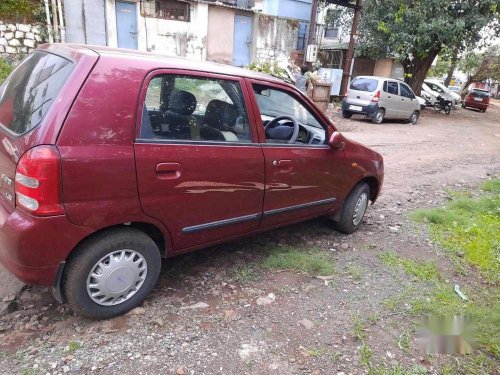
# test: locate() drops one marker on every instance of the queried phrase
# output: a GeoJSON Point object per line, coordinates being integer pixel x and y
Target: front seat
{"type": "Point", "coordinates": [178, 122]}
{"type": "Point", "coordinates": [220, 118]}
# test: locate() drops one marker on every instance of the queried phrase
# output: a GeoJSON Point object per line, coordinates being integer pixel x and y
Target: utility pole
{"type": "Point", "coordinates": [312, 25]}
{"type": "Point", "coordinates": [346, 75]}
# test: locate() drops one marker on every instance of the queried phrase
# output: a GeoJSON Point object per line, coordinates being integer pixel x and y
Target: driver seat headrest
{"type": "Point", "coordinates": [220, 115]}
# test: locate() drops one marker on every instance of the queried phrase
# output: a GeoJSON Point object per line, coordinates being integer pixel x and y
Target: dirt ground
{"type": "Point", "coordinates": [306, 325]}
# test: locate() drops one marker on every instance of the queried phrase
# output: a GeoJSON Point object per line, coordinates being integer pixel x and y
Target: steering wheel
{"type": "Point", "coordinates": [276, 122]}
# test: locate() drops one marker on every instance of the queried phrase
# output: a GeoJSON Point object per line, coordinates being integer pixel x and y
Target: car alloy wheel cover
{"type": "Point", "coordinates": [360, 208]}
{"type": "Point", "coordinates": [379, 117]}
{"type": "Point", "coordinates": [116, 277]}
{"type": "Point", "coordinates": [414, 118]}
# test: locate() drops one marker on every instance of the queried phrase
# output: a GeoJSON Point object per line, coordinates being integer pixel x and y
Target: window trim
{"type": "Point", "coordinates": [302, 99]}
{"type": "Point", "coordinates": [402, 84]}
{"type": "Point", "coordinates": [202, 75]}
{"type": "Point", "coordinates": [386, 85]}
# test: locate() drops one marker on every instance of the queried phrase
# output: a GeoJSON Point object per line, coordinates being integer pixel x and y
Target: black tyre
{"type": "Point", "coordinates": [378, 116]}
{"type": "Point", "coordinates": [354, 209]}
{"type": "Point", "coordinates": [413, 118]}
{"type": "Point", "coordinates": [447, 109]}
{"type": "Point", "coordinates": [111, 273]}
{"type": "Point", "coordinates": [346, 114]}
{"type": "Point", "coordinates": [437, 106]}
{"type": "Point", "coordinates": [463, 105]}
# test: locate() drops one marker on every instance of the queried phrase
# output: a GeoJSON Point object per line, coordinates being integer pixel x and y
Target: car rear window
{"type": "Point", "coordinates": [28, 93]}
{"type": "Point", "coordinates": [364, 84]}
{"type": "Point", "coordinates": [480, 93]}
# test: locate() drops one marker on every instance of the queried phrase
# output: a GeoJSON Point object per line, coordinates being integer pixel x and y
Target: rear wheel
{"type": "Point", "coordinates": [463, 105]}
{"type": "Point", "coordinates": [378, 116]}
{"type": "Point", "coordinates": [437, 106]}
{"type": "Point", "coordinates": [413, 118]}
{"type": "Point", "coordinates": [447, 109]}
{"type": "Point", "coordinates": [111, 273]}
{"type": "Point", "coordinates": [346, 114]}
{"type": "Point", "coordinates": [483, 110]}
{"type": "Point", "coordinates": [354, 209]}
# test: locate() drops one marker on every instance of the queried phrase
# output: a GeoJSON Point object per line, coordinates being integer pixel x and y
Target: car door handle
{"type": "Point", "coordinates": [284, 165]}
{"type": "Point", "coordinates": [168, 170]}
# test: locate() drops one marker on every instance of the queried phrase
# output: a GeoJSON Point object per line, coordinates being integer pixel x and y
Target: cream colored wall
{"type": "Point", "coordinates": [383, 67]}
{"type": "Point", "coordinates": [220, 34]}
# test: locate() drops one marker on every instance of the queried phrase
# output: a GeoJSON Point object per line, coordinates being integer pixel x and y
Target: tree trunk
{"type": "Point", "coordinates": [416, 70]}
{"type": "Point", "coordinates": [451, 70]}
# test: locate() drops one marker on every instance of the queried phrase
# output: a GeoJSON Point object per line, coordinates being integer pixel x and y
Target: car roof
{"type": "Point", "coordinates": [165, 61]}
{"type": "Point", "coordinates": [379, 77]}
{"type": "Point", "coordinates": [479, 90]}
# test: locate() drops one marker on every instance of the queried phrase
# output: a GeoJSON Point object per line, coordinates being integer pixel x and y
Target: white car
{"type": "Point", "coordinates": [442, 90]}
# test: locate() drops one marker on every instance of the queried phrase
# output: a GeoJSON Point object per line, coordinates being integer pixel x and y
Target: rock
{"type": "Point", "coordinates": [316, 372]}
{"type": "Point", "coordinates": [344, 246]}
{"type": "Point", "coordinates": [9, 298]}
{"type": "Point", "coordinates": [19, 35]}
{"type": "Point", "coordinates": [29, 36]}
{"type": "Point", "coordinates": [306, 323]}
{"type": "Point", "coordinates": [9, 35]}
{"type": "Point", "coordinates": [394, 229]}
{"type": "Point", "coordinates": [11, 27]}
{"type": "Point", "coordinates": [229, 315]}
{"type": "Point", "coordinates": [181, 371]}
{"type": "Point", "coordinates": [270, 298]}
{"type": "Point", "coordinates": [158, 322]}
{"type": "Point", "coordinates": [29, 43]}
{"type": "Point", "coordinates": [199, 305]}
{"type": "Point", "coordinates": [8, 307]}
{"type": "Point", "coordinates": [23, 27]}
{"type": "Point", "coordinates": [14, 43]}
{"type": "Point", "coordinates": [137, 311]}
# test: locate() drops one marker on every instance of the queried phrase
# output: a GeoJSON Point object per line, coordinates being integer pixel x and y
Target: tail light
{"type": "Point", "coordinates": [38, 181]}
{"type": "Point", "coordinates": [376, 97]}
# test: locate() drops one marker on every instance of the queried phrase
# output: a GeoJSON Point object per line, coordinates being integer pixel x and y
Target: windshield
{"type": "Point", "coordinates": [27, 94]}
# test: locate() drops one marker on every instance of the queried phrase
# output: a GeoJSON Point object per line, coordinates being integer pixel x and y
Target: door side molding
{"type": "Point", "coordinates": [298, 207]}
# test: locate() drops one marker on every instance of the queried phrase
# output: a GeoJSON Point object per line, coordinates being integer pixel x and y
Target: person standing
{"type": "Point", "coordinates": [301, 79]}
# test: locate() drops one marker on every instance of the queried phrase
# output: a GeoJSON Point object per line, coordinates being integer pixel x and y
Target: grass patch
{"type": "Point", "coordinates": [290, 258]}
{"type": "Point", "coordinates": [469, 227]}
{"type": "Point", "coordinates": [424, 271]}
{"type": "Point", "coordinates": [245, 273]}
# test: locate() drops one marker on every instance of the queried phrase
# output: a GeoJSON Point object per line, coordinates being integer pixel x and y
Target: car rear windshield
{"type": "Point", "coordinates": [480, 93]}
{"type": "Point", "coordinates": [364, 84]}
{"type": "Point", "coordinates": [27, 94]}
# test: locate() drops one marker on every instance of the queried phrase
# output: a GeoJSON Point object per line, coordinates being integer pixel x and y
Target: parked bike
{"type": "Point", "coordinates": [443, 104]}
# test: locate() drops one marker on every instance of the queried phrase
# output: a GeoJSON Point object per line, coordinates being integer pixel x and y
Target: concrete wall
{"type": "Point", "coordinates": [175, 38]}
{"type": "Point", "coordinates": [19, 39]}
{"type": "Point", "coordinates": [297, 9]}
{"type": "Point", "coordinates": [383, 67]}
{"type": "Point", "coordinates": [220, 34]}
{"type": "Point", "coordinates": [85, 21]}
{"type": "Point", "coordinates": [274, 38]}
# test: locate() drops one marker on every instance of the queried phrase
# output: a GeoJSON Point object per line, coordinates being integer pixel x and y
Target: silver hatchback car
{"type": "Point", "coordinates": [381, 98]}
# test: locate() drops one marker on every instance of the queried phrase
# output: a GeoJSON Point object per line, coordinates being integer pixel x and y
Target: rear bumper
{"type": "Point", "coordinates": [367, 110]}
{"type": "Point", "coordinates": [31, 248]}
{"type": "Point", "coordinates": [475, 104]}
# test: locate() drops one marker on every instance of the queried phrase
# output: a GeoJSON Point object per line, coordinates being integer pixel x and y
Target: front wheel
{"type": "Point", "coordinates": [413, 118]}
{"type": "Point", "coordinates": [354, 209]}
{"type": "Point", "coordinates": [378, 116]}
{"type": "Point", "coordinates": [447, 109]}
{"type": "Point", "coordinates": [111, 273]}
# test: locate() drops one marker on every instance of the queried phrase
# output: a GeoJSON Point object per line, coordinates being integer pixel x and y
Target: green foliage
{"type": "Point", "coordinates": [21, 10]}
{"type": "Point", "coordinates": [481, 66]}
{"type": "Point", "coordinates": [470, 227]}
{"type": "Point", "coordinates": [5, 69]}
{"type": "Point", "coordinates": [440, 69]}
{"type": "Point", "coordinates": [289, 258]}
{"type": "Point", "coordinates": [245, 273]}
{"type": "Point", "coordinates": [271, 69]}
{"type": "Point", "coordinates": [421, 270]}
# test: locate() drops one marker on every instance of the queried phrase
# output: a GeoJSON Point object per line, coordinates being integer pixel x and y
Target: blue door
{"type": "Point", "coordinates": [242, 40]}
{"type": "Point", "coordinates": [126, 24]}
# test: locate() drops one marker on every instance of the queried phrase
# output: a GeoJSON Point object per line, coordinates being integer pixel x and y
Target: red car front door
{"type": "Point", "coordinates": [200, 168]}
{"type": "Point", "coordinates": [301, 177]}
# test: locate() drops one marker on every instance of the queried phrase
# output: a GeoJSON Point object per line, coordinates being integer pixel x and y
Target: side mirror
{"type": "Point", "coordinates": [336, 141]}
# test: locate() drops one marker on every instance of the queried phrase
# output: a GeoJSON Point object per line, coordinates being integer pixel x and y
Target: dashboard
{"type": "Point", "coordinates": [307, 134]}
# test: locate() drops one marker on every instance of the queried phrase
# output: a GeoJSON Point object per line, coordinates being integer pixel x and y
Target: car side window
{"type": "Point", "coordinates": [274, 103]}
{"type": "Point", "coordinates": [406, 91]}
{"type": "Point", "coordinates": [178, 107]}
{"type": "Point", "coordinates": [391, 87]}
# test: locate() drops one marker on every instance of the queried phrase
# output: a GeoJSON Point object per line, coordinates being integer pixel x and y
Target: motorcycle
{"type": "Point", "coordinates": [443, 104]}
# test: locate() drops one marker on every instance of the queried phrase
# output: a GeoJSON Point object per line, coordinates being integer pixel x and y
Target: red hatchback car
{"type": "Point", "coordinates": [114, 159]}
{"type": "Point", "coordinates": [478, 99]}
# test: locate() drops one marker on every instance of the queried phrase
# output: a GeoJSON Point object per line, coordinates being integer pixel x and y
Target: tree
{"type": "Point", "coordinates": [481, 66]}
{"type": "Point", "coordinates": [414, 32]}
{"type": "Point", "coordinates": [441, 68]}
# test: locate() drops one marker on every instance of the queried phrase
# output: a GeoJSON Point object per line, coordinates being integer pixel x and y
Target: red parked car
{"type": "Point", "coordinates": [114, 159]}
{"type": "Point", "coordinates": [477, 98]}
